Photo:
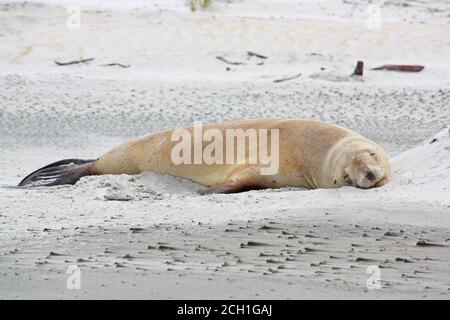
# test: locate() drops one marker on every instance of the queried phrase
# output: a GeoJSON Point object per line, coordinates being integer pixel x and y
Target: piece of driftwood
{"type": "Point", "coordinates": [425, 243]}
{"type": "Point", "coordinates": [287, 79]}
{"type": "Point", "coordinates": [117, 198]}
{"type": "Point", "coordinates": [73, 62]}
{"type": "Point", "coordinates": [229, 62]}
{"type": "Point", "coordinates": [257, 55]}
{"type": "Point", "coordinates": [400, 67]}
{"type": "Point", "coordinates": [116, 64]}
{"type": "Point", "coordinates": [359, 68]}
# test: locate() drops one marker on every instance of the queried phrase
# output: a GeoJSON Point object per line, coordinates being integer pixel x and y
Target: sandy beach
{"type": "Point", "coordinates": [168, 242]}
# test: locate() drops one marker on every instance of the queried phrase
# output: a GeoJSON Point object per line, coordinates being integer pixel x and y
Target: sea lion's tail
{"type": "Point", "coordinates": [67, 171]}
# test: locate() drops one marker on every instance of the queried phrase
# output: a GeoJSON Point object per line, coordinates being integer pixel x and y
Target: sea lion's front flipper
{"type": "Point", "coordinates": [242, 180]}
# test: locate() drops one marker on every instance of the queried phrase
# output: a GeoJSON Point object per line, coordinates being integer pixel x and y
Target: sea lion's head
{"type": "Point", "coordinates": [366, 168]}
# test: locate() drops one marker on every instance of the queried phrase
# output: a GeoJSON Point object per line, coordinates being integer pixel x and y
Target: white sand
{"type": "Point", "coordinates": [48, 112]}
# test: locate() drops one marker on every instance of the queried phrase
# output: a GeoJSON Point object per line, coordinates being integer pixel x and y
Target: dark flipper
{"type": "Point", "coordinates": [67, 171]}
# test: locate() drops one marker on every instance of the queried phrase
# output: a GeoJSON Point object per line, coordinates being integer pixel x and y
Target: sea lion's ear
{"type": "Point", "coordinates": [349, 158]}
{"type": "Point", "coordinates": [346, 169]}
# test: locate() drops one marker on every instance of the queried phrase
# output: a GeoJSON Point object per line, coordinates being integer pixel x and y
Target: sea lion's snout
{"type": "Point", "coordinates": [369, 175]}
{"type": "Point", "coordinates": [365, 170]}
{"type": "Point", "coordinates": [366, 177]}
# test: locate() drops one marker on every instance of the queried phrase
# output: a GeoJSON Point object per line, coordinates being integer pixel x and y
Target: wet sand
{"type": "Point", "coordinates": [327, 258]}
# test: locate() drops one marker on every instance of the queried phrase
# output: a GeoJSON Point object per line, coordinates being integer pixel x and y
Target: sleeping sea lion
{"type": "Point", "coordinates": [303, 153]}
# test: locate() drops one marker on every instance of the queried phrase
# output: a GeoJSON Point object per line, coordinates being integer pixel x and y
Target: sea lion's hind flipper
{"type": "Point", "coordinates": [244, 180]}
{"type": "Point", "coordinates": [67, 171]}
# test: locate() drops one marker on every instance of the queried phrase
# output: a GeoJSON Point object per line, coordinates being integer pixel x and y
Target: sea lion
{"type": "Point", "coordinates": [309, 154]}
